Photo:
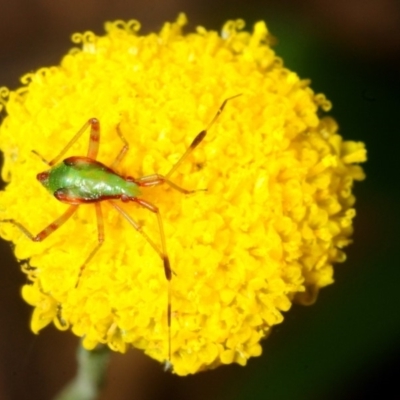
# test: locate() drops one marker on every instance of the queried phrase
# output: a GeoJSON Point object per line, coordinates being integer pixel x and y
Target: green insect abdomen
{"type": "Point", "coordinates": [83, 180]}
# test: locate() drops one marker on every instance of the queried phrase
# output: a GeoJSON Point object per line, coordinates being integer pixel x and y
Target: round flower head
{"type": "Point", "coordinates": [271, 211]}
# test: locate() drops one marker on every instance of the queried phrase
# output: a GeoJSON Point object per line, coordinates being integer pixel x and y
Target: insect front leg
{"type": "Point", "coordinates": [49, 229]}
{"type": "Point", "coordinates": [94, 142]}
{"type": "Point", "coordinates": [122, 152]}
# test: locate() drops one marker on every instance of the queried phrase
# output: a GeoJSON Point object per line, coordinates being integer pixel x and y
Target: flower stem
{"type": "Point", "coordinates": [89, 379]}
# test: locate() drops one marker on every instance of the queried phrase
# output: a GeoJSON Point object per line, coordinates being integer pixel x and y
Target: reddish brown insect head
{"type": "Point", "coordinates": [43, 177]}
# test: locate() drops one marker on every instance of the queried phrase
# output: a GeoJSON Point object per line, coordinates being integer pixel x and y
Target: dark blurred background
{"type": "Point", "coordinates": [347, 345]}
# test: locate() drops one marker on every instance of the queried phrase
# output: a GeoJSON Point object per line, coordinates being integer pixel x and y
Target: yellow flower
{"type": "Point", "coordinates": [276, 214]}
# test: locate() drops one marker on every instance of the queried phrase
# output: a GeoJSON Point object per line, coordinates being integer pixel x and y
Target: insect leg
{"type": "Point", "coordinates": [49, 229]}
{"type": "Point", "coordinates": [122, 152]}
{"type": "Point", "coordinates": [199, 138]}
{"type": "Point", "coordinates": [162, 253]}
{"type": "Point", "coordinates": [100, 238]}
{"type": "Point", "coordinates": [94, 141]}
{"type": "Point", "coordinates": [157, 179]}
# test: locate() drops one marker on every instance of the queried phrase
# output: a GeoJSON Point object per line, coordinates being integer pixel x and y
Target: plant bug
{"type": "Point", "coordinates": [81, 180]}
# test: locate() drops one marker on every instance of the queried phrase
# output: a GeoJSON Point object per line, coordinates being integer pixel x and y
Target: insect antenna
{"type": "Point", "coordinates": [40, 156]}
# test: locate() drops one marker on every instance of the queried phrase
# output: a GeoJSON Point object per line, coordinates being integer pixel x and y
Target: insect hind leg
{"type": "Point", "coordinates": [199, 137]}
{"type": "Point", "coordinates": [161, 252]}
{"type": "Point", "coordinates": [158, 179]}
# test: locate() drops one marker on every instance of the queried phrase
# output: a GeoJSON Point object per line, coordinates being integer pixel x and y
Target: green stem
{"type": "Point", "coordinates": [89, 379]}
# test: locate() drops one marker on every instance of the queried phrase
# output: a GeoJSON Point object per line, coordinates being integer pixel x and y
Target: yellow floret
{"type": "Point", "coordinates": [276, 214]}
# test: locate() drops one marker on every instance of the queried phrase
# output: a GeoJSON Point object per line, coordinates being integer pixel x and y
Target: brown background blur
{"type": "Point", "coordinates": [355, 34]}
